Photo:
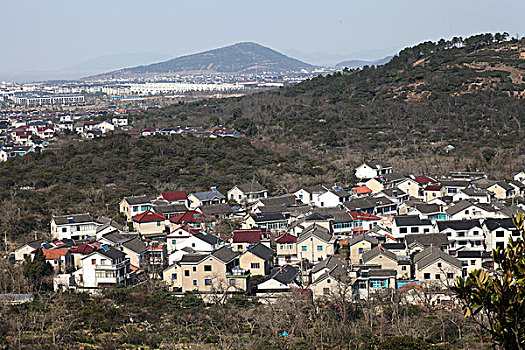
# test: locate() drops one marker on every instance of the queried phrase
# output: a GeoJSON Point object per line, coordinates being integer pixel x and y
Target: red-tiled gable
{"type": "Point", "coordinates": [361, 190]}
{"type": "Point", "coordinates": [424, 180]}
{"type": "Point", "coordinates": [172, 196]}
{"type": "Point", "coordinates": [149, 129]}
{"type": "Point", "coordinates": [82, 248]}
{"type": "Point", "coordinates": [45, 128]}
{"type": "Point", "coordinates": [90, 123]}
{"type": "Point", "coordinates": [191, 217]}
{"type": "Point", "coordinates": [246, 236]}
{"type": "Point", "coordinates": [148, 216]}
{"type": "Point", "coordinates": [363, 216]}
{"type": "Point", "coordinates": [52, 254]}
{"type": "Point", "coordinates": [433, 188]}
{"type": "Point", "coordinates": [158, 247]}
{"type": "Point", "coordinates": [286, 238]}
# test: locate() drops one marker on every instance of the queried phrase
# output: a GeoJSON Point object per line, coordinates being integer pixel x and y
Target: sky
{"type": "Point", "coordinates": [49, 35]}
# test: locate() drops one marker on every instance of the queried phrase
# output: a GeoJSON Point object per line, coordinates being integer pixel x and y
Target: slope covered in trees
{"type": "Point", "coordinates": [463, 92]}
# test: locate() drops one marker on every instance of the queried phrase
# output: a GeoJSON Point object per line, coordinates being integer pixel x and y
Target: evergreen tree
{"type": "Point", "coordinates": [38, 268]}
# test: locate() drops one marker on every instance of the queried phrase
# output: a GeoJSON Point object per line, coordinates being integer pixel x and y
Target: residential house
{"type": "Point", "coordinates": [519, 176]}
{"type": "Point", "coordinates": [199, 242]}
{"type": "Point", "coordinates": [200, 199]}
{"type": "Point", "coordinates": [74, 226]}
{"type": "Point", "coordinates": [418, 242]}
{"type": "Point", "coordinates": [168, 210]}
{"type": "Point", "coordinates": [218, 211]}
{"type": "Point", "coordinates": [27, 251]}
{"type": "Point", "coordinates": [247, 193]}
{"type": "Point", "coordinates": [387, 260]}
{"type": "Point", "coordinates": [258, 259]}
{"type": "Point", "coordinates": [131, 206]}
{"type": "Point", "coordinates": [174, 197]}
{"type": "Point", "coordinates": [273, 222]}
{"type": "Point", "coordinates": [360, 245]}
{"type": "Point", "coordinates": [136, 251]}
{"type": "Point", "coordinates": [150, 223]}
{"type": "Point", "coordinates": [463, 235]}
{"type": "Point", "coordinates": [498, 232]}
{"type": "Point", "coordinates": [454, 186]}
{"type": "Point", "coordinates": [193, 219]}
{"type": "Point", "coordinates": [519, 187]}
{"type": "Point", "coordinates": [373, 282]}
{"type": "Point", "coordinates": [473, 260]}
{"type": "Point", "coordinates": [428, 211]}
{"type": "Point", "coordinates": [436, 268]}
{"type": "Point", "coordinates": [242, 239]}
{"type": "Point", "coordinates": [502, 190]}
{"type": "Point", "coordinates": [179, 235]}
{"type": "Point", "coordinates": [283, 279]}
{"type": "Point", "coordinates": [102, 268]}
{"type": "Point", "coordinates": [472, 195]}
{"type": "Point", "coordinates": [410, 224]}
{"type": "Point", "coordinates": [334, 282]}
{"type": "Point", "coordinates": [315, 243]}
{"type": "Point", "coordinates": [59, 258]}
{"type": "Point", "coordinates": [411, 187]}
{"type": "Point", "coordinates": [286, 247]}
{"type": "Point", "coordinates": [372, 169]}
{"type": "Point", "coordinates": [431, 192]}
{"type": "Point", "coordinates": [466, 210]}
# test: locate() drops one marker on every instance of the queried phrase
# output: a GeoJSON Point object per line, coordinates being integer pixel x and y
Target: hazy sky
{"type": "Point", "coordinates": [52, 34]}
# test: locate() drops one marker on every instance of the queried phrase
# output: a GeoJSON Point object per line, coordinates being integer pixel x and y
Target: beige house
{"type": "Point", "coordinates": [247, 193]}
{"type": "Point", "coordinates": [437, 268]}
{"type": "Point", "coordinates": [410, 187]}
{"type": "Point", "coordinates": [315, 243]}
{"type": "Point", "coordinates": [217, 272]}
{"type": "Point", "coordinates": [334, 283]}
{"type": "Point", "coordinates": [257, 259]}
{"type": "Point", "coordinates": [149, 223]}
{"type": "Point", "coordinates": [375, 185]}
{"type": "Point", "coordinates": [131, 206]}
{"type": "Point", "coordinates": [286, 249]}
{"type": "Point", "coordinates": [27, 251]}
{"type": "Point", "coordinates": [388, 261]}
{"type": "Point", "coordinates": [360, 245]}
{"type": "Point", "coordinates": [502, 190]}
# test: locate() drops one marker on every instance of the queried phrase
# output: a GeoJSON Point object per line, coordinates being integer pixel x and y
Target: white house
{"type": "Point", "coordinates": [463, 235]}
{"type": "Point", "coordinates": [102, 268]}
{"type": "Point", "coordinates": [199, 242]}
{"type": "Point", "coordinates": [410, 224]}
{"type": "Point", "coordinates": [75, 226]}
{"type": "Point", "coordinates": [372, 169]}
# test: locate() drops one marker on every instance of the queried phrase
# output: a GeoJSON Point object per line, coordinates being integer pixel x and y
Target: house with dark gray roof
{"type": "Point", "coordinates": [437, 268]}
{"type": "Point", "coordinates": [419, 242]}
{"type": "Point", "coordinates": [74, 226]}
{"type": "Point", "coordinates": [371, 169]}
{"type": "Point", "coordinates": [463, 234]}
{"type": "Point", "coordinates": [498, 232]}
{"type": "Point", "coordinates": [315, 243]}
{"type": "Point", "coordinates": [281, 279]}
{"type": "Point", "coordinates": [258, 259]}
{"type": "Point", "coordinates": [410, 224]}
{"type": "Point", "coordinates": [134, 205]}
{"type": "Point", "coordinates": [200, 199]}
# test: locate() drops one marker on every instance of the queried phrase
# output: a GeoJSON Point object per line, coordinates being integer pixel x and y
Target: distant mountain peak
{"type": "Point", "coordinates": [241, 57]}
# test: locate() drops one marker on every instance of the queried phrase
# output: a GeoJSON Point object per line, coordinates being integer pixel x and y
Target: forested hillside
{"type": "Point", "coordinates": [464, 92]}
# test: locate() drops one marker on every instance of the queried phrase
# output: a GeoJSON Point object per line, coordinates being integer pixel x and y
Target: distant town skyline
{"type": "Point", "coordinates": [53, 35]}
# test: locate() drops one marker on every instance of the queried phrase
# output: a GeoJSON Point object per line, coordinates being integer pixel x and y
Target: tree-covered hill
{"type": "Point", "coordinates": [464, 92]}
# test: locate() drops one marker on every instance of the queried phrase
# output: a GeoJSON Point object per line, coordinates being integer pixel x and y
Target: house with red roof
{"type": "Point", "coordinates": [431, 192]}
{"type": "Point", "coordinates": [59, 258]}
{"type": "Point", "coordinates": [242, 239]}
{"type": "Point", "coordinates": [286, 249]}
{"type": "Point", "coordinates": [178, 235]}
{"type": "Point", "coordinates": [149, 131]}
{"type": "Point", "coordinates": [174, 197]}
{"type": "Point", "coordinates": [79, 251]}
{"type": "Point", "coordinates": [424, 180]}
{"type": "Point", "coordinates": [192, 218]}
{"type": "Point", "coordinates": [361, 191]}
{"type": "Point", "coordinates": [149, 223]}
{"type": "Point", "coordinates": [363, 222]}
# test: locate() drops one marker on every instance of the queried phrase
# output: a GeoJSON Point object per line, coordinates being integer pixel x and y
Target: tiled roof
{"type": "Point", "coordinates": [458, 224]}
{"type": "Point", "coordinates": [52, 254]}
{"type": "Point", "coordinates": [431, 254]}
{"type": "Point", "coordinates": [433, 188]}
{"type": "Point", "coordinates": [262, 251]}
{"type": "Point", "coordinates": [424, 180]}
{"type": "Point", "coordinates": [208, 196]}
{"type": "Point", "coordinates": [246, 236]}
{"type": "Point", "coordinates": [286, 238]}
{"type": "Point", "coordinates": [363, 216]}
{"type": "Point", "coordinates": [361, 190]}
{"type": "Point", "coordinates": [72, 219]}
{"type": "Point", "coordinates": [225, 254]}
{"type": "Point", "coordinates": [252, 187]}
{"type": "Point", "coordinates": [191, 216]}
{"type": "Point", "coordinates": [134, 200]}
{"type": "Point", "coordinates": [82, 248]}
{"type": "Point", "coordinates": [148, 216]}
{"type": "Point", "coordinates": [411, 220]}
{"type": "Point", "coordinates": [173, 196]}
{"type": "Point", "coordinates": [377, 251]}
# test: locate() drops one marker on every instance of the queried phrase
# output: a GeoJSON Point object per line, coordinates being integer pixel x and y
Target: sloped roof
{"type": "Point", "coordinates": [148, 216]}
{"type": "Point", "coordinates": [493, 224]}
{"type": "Point", "coordinates": [410, 220]}
{"type": "Point", "coordinates": [208, 196]}
{"type": "Point", "coordinates": [169, 208]}
{"type": "Point", "coordinates": [217, 209]}
{"type": "Point", "coordinates": [315, 230]}
{"type": "Point", "coordinates": [72, 219]}
{"type": "Point", "coordinates": [225, 254]}
{"type": "Point", "coordinates": [52, 254]}
{"type": "Point", "coordinates": [191, 216]}
{"type": "Point", "coordinates": [251, 187]}
{"type": "Point", "coordinates": [459, 206]}
{"type": "Point", "coordinates": [369, 255]}
{"type": "Point", "coordinates": [328, 263]}
{"type": "Point", "coordinates": [458, 224]}
{"type": "Point", "coordinates": [363, 216]}
{"type": "Point", "coordinates": [208, 238]}
{"type": "Point", "coordinates": [134, 200]}
{"type": "Point", "coordinates": [193, 258]}
{"type": "Point", "coordinates": [431, 254]}
{"type": "Point", "coordinates": [424, 179]}
{"type": "Point", "coordinates": [264, 217]}
{"type": "Point", "coordinates": [433, 188]}
{"type": "Point", "coordinates": [361, 238]}
{"type": "Point", "coordinates": [112, 253]}
{"type": "Point", "coordinates": [82, 248]}
{"type": "Point", "coordinates": [262, 251]}
{"type": "Point", "coordinates": [427, 208]}
{"type": "Point", "coordinates": [286, 238]}
{"type": "Point", "coordinates": [427, 239]}
{"type": "Point", "coordinates": [136, 245]}
{"type": "Point", "coordinates": [285, 200]}
{"type": "Point", "coordinates": [246, 236]}
{"type": "Point", "coordinates": [173, 196]}
{"type": "Point", "coordinates": [285, 275]}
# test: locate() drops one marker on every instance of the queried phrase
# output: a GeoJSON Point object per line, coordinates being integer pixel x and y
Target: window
{"type": "Point", "coordinates": [174, 241]}
{"type": "Point", "coordinates": [319, 248]}
{"type": "Point", "coordinates": [472, 262]}
{"type": "Point", "coordinates": [239, 246]}
{"type": "Point", "coordinates": [100, 274]}
{"type": "Point", "coordinates": [94, 261]}
{"type": "Point", "coordinates": [255, 265]}
{"type": "Point", "coordinates": [450, 275]}
{"type": "Point", "coordinates": [281, 246]}
{"type": "Point", "coordinates": [500, 234]}
{"type": "Point", "coordinates": [232, 282]}
{"type": "Point", "coordinates": [194, 268]}
{"type": "Point", "coordinates": [240, 196]}
{"type": "Point", "coordinates": [187, 273]}
{"type": "Point", "coordinates": [193, 245]}
{"type": "Point", "coordinates": [304, 248]}
{"type": "Point", "coordinates": [403, 230]}
{"type": "Point", "coordinates": [403, 268]}
{"type": "Point", "coordinates": [377, 283]}
{"type": "Point", "coordinates": [64, 229]}
{"type": "Point", "coordinates": [158, 223]}
{"type": "Point", "coordinates": [439, 264]}
{"type": "Point", "coordinates": [207, 282]}
{"type": "Point", "coordinates": [326, 291]}
{"type": "Point", "coordinates": [194, 282]}
{"type": "Point", "coordinates": [414, 229]}
{"type": "Point", "coordinates": [361, 250]}
{"type": "Point", "coordinates": [426, 276]}
{"type": "Point", "coordinates": [135, 209]}
{"type": "Point", "coordinates": [173, 276]}
{"type": "Point", "coordinates": [322, 204]}
{"type": "Point", "coordinates": [438, 276]}
{"type": "Point", "coordinates": [207, 268]}
{"type": "Point", "coordinates": [426, 230]}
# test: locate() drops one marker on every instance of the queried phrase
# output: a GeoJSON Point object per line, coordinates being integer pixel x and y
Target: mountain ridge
{"type": "Point", "coordinates": [241, 57]}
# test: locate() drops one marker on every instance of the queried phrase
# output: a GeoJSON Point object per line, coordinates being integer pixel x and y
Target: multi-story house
{"type": "Point", "coordinates": [75, 226]}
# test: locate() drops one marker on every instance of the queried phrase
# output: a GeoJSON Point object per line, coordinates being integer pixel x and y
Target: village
{"type": "Point", "coordinates": [389, 232]}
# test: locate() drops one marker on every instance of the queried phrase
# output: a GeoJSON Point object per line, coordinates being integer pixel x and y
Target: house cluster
{"type": "Point", "coordinates": [219, 131]}
{"type": "Point", "coordinates": [33, 131]}
{"type": "Point", "coordinates": [389, 231]}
